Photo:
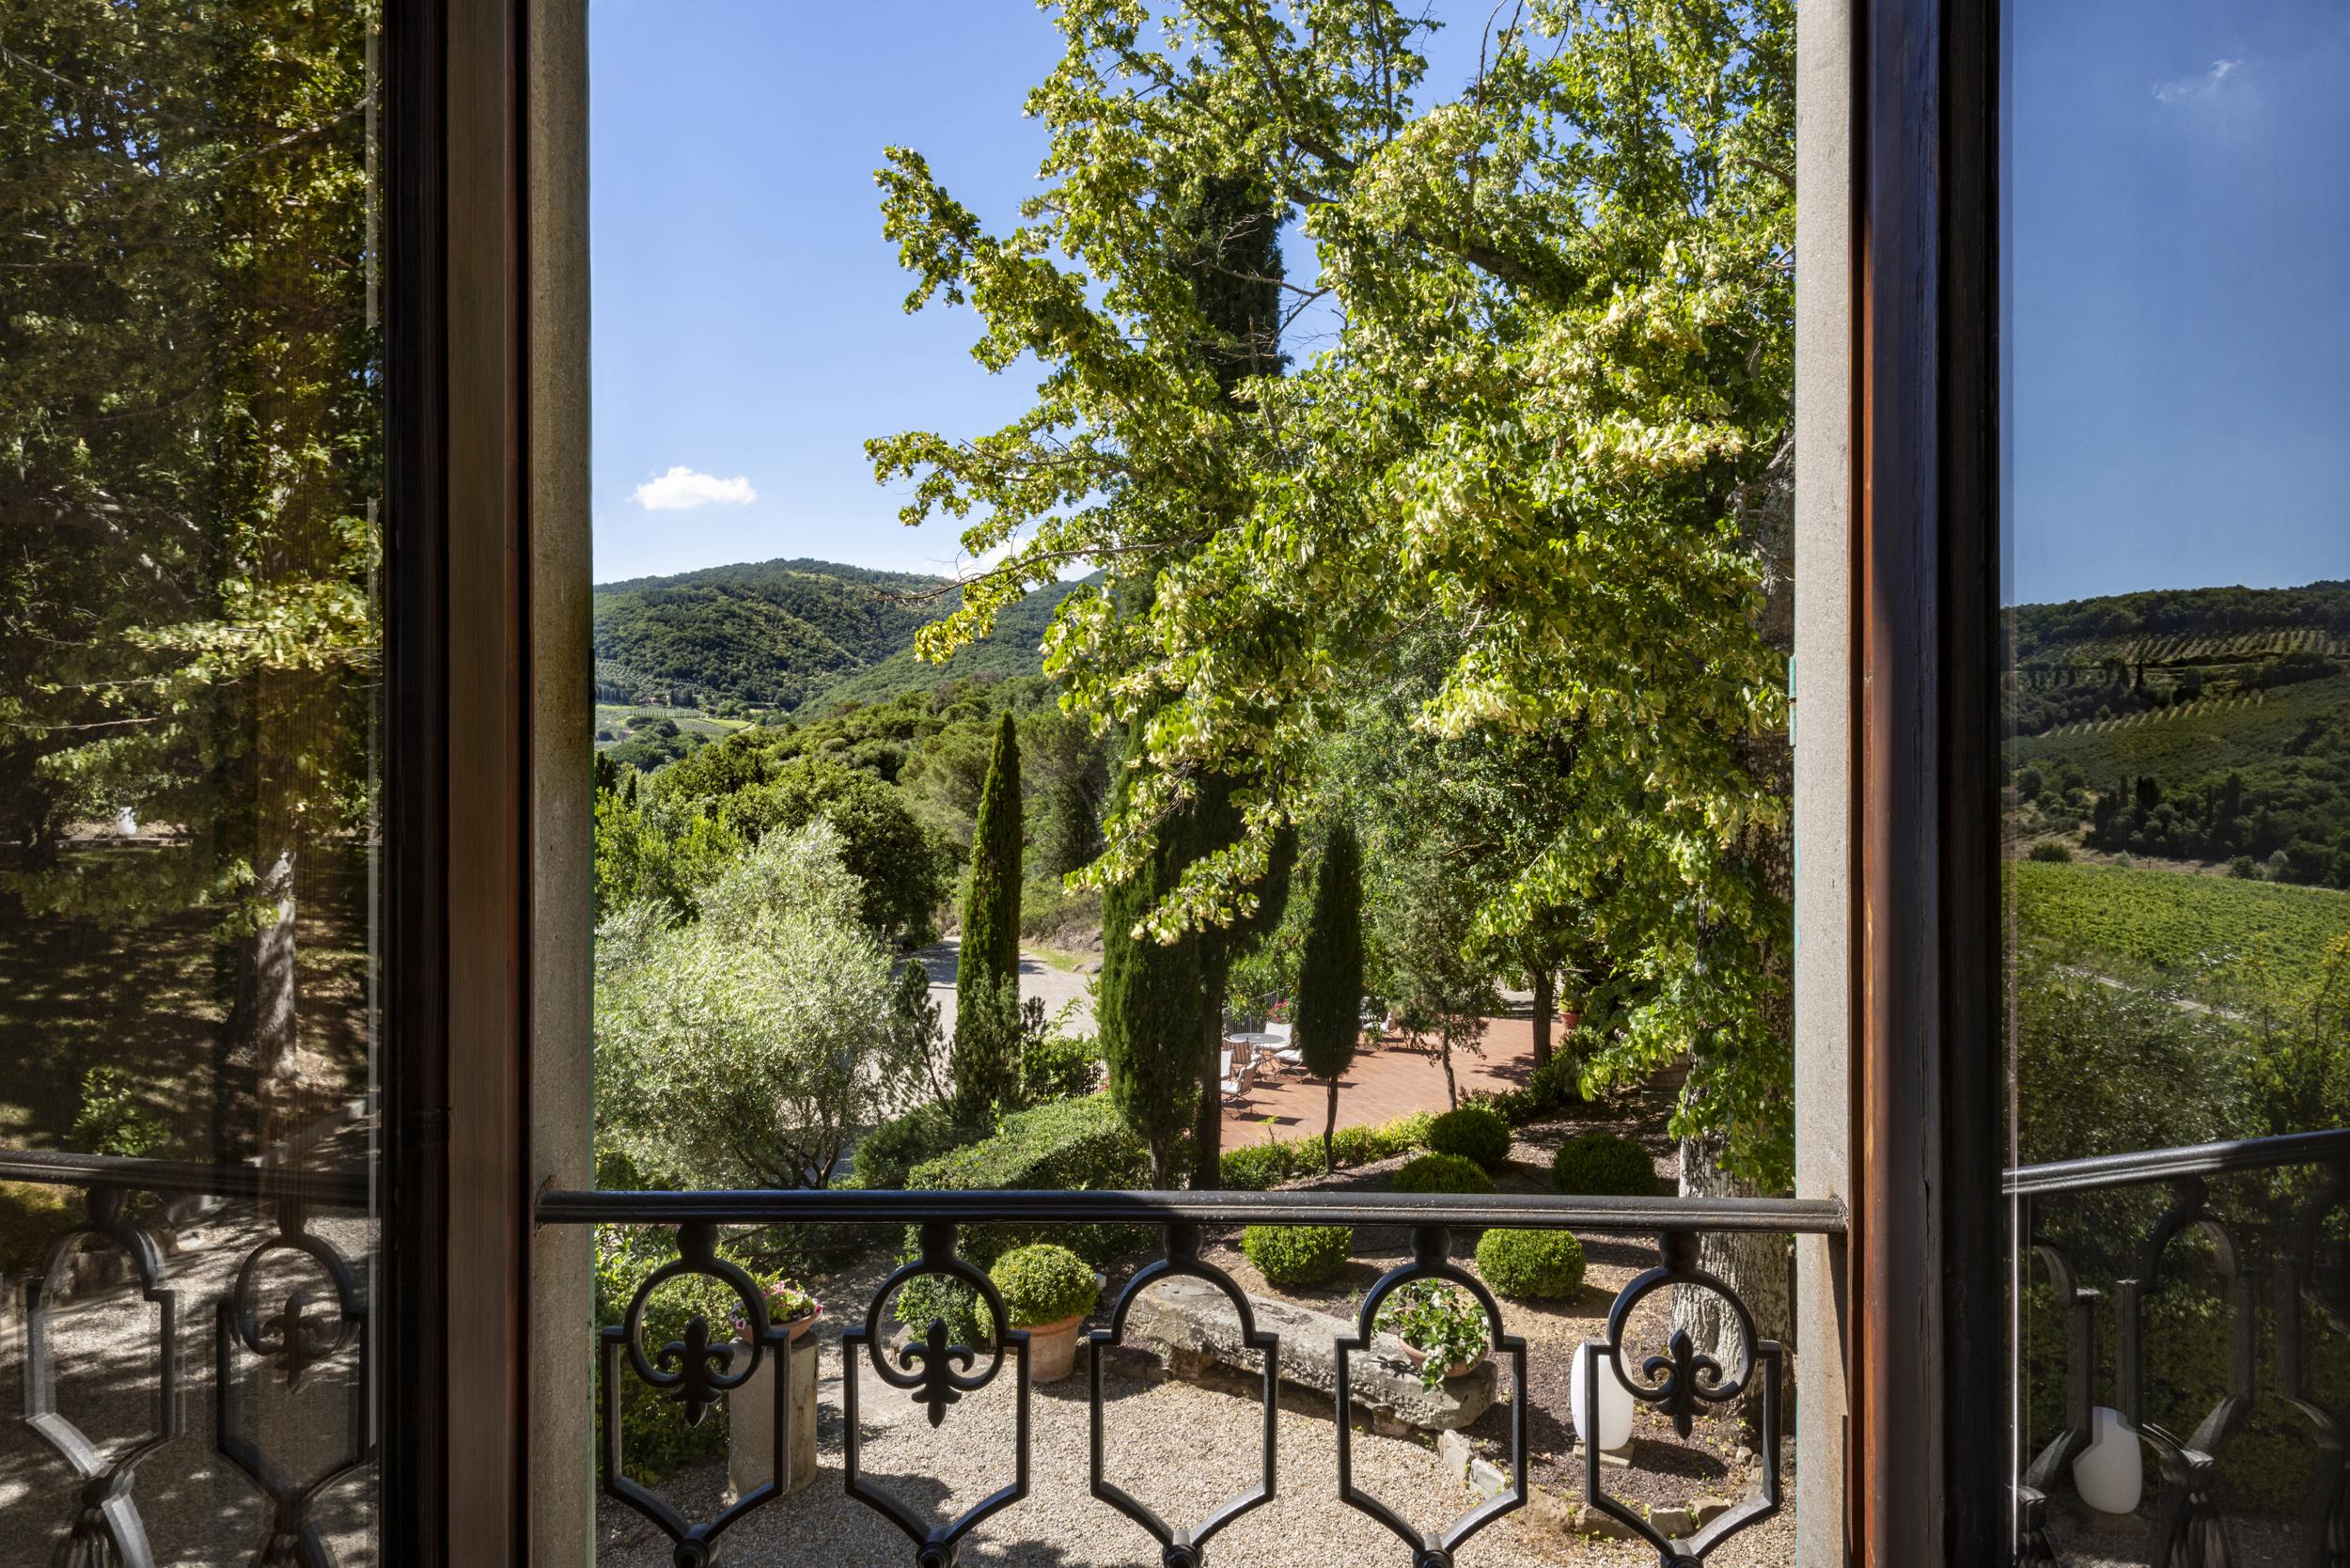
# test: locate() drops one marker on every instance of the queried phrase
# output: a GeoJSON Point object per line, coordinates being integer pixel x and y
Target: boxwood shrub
{"type": "Point", "coordinates": [886, 1155]}
{"type": "Point", "coordinates": [1061, 1146]}
{"type": "Point", "coordinates": [1473, 1131]}
{"type": "Point", "coordinates": [1297, 1254]}
{"type": "Point", "coordinates": [1443, 1173]}
{"type": "Point", "coordinates": [1601, 1164]}
{"type": "Point", "coordinates": [1530, 1266]}
{"type": "Point", "coordinates": [1043, 1283]}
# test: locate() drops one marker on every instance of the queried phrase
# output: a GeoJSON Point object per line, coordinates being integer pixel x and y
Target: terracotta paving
{"type": "Point", "coordinates": [1394, 1078]}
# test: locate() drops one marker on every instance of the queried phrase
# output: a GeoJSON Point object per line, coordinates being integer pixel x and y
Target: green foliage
{"type": "Point", "coordinates": [995, 1035]}
{"type": "Point", "coordinates": [1328, 1019]}
{"type": "Point", "coordinates": [34, 1217]}
{"type": "Point", "coordinates": [2050, 851]}
{"type": "Point", "coordinates": [1057, 1066]}
{"type": "Point", "coordinates": [1601, 1164]}
{"type": "Point", "coordinates": [658, 1441]}
{"type": "Point", "coordinates": [1530, 1266]}
{"type": "Point", "coordinates": [112, 1121]}
{"type": "Point", "coordinates": [2219, 940]}
{"type": "Point", "coordinates": [1259, 1166]}
{"type": "Point", "coordinates": [886, 1155]}
{"type": "Point", "coordinates": [1473, 1132]}
{"type": "Point", "coordinates": [742, 1049]}
{"type": "Point", "coordinates": [1440, 1320]}
{"type": "Point", "coordinates": [791, 633]}
{"type": "Point", "coordinates": [1067, 1146]}
{"type": "Point", "coordinates": [1297, 1254]}
{"type": "Point", "coordinates": [1149, 1000]}
{"type": "Point", "coordinates": [1043, 1283]}
{"type": "Point", "coordinates": [1547, 425]}
{"type": "Point", "coordinates": [896, 864]}
{"type": "Point", "coordinates": [988, 961]}
{"type": "Point", "coordinates": [1448, 1173]}
{"type": "Point", "coordinates": [639, 858]}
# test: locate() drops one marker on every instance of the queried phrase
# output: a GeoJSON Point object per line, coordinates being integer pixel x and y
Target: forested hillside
{"type": "Point", "coordinates": [2201, 725]}
{"type": "Point", "coordinates": [784, 634]}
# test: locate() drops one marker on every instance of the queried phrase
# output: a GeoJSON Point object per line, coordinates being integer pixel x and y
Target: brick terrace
{"type": "Point", "coordinates": [1391, 1079]}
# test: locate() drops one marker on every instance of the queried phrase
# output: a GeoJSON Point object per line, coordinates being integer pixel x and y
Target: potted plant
{"type": "Point", "coordinates": [789, 1307]}
{"type": "Point", "coordinates": [1047, 1290]}
{"type": "Point", "coordinates": [1441, 1327]}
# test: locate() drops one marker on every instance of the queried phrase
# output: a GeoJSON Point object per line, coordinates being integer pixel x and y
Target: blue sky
{"type": "Point", "coordinates": [2179, 234]}
{"type": "Point", "coordinates": [2178, 324]}
{"type": "Point", "coordinates": [748, 328]}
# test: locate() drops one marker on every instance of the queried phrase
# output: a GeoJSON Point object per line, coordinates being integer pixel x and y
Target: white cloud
{"type": "Point", "coordinates": [2192, 90]}
{"type": "Point", "coordinates": [682, 488]}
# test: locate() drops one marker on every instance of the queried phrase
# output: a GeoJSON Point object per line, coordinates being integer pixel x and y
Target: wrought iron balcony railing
{"type": "Point", "coordinates": [1675, 1378]}
{"type": "Point", "coordinates": [2280, 1228]}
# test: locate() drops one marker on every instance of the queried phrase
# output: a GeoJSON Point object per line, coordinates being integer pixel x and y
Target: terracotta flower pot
{"type": "Point", "coordinates": [1418, 1358]}
{"type": "Point", "coordinates": [1053, 1349]}
{"type": "Point", "coordinates": [799, 1325]}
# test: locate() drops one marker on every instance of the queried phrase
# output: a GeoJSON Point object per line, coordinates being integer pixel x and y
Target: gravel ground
{"type": "Point", "coordinates": [1179, 1448]}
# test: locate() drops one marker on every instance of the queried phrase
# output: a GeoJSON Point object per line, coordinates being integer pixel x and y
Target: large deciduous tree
{"type": "Point", "coordinates": [1558, 376]}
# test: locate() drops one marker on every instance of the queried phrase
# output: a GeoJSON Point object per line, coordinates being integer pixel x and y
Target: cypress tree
{"type": "Point", "coordinates": [1329, 1017]}
{"type": "Point", "coordinates": [990, 954]}
{"type": "Point", "coordinates": [1148, 1007]}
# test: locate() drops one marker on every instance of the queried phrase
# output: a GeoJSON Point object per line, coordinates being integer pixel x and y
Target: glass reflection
{"type": "Point", "coordinates": [189, 662]}
{"type": "Point", "coordinates": [2177, 802]}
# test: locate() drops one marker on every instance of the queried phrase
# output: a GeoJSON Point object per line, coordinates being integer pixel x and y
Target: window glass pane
{"type": "Point", "coordinates": [2177, 491]}
{"type": "Point", "coordinates": [190, 662]}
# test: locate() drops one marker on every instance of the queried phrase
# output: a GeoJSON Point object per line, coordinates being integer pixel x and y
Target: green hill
{"type": "Point", "coordinates": [784, 634]}
{"type": "Point", "coordinates": [2207, 725]}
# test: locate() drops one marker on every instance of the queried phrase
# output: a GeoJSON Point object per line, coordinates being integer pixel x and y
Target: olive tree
{"type": "Point", "coordinates": [742, 1049]}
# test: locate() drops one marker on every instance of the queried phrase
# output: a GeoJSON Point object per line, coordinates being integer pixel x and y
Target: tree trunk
{"type": "Point", "coordinates": [1329, 1130]}
{"type": "Point", "coordinates": [1546, 1004]}
{"type": "Point", "coordinates": [260, 1029]}
{"type": "Point", "coordinates": [1207, 1139]}
{"type": "Point", "coordinates": [1451, 1090]}
{"type": "Point", "coordinates": [1758, 1268]}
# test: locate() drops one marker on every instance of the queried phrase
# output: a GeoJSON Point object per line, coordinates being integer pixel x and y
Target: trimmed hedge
{"type": "Point", "coordinates": [886, 1155]}
{"type": "Point", "coordinates": [1473, 1131]}
{"type": "Point", "coordinates": [1044, 1283]}
{"type": "Point", "coordinates": [1297, 1254]}
{"type": "Point", "coordinates": [1530, 1266]}
{"type": "Point", "coordinates": [1062, 1146]}
{"type": "Point", "coordinates": [1601, 1164]}
{"type": "Point", "coordinates": [1258, 1166]}
{"type": "Point", "coordinates": [1443, 1173]}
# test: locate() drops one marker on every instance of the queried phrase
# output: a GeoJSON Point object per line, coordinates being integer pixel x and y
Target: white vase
{"type": "Point", "coordinates": [2111, 1473]}
{"type": "Point", "coordinates": [1612, 1431]}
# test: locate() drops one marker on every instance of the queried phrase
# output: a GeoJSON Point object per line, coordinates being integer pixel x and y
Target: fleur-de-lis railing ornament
{"type": "Point", "coordinates": [106, 1527]}
{"type": "Point", "coordinates": [937, 1372]}
{"type": "Point", "coordinates": [2035, 1547]}
{"type": "Point", "coordinates": [1680, 1383]}
{"type": "Point", "coordinates": [1431, 1248]}
{"type": "Point", "coordinates": [692, 1372]}
{"type": "Point", "coordinates": [293, 1341]}
{"type": "Point", "coordinates": [1180, 1545]}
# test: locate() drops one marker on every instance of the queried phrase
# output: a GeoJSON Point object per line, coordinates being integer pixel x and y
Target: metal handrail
{"type": "Point", "coordinates": [1640, 1215]}
{"type": "Point", "coordinates": [340, 1189]}
{"type": "Point", "coordinates": [2149, 1166]}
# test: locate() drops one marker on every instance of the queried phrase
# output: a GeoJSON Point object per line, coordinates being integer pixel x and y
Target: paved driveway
{"type": "Point", "coordinates": [1055, 986]}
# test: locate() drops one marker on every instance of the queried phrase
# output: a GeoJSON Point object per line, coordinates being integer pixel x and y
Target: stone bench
{"type": "Point", "coordinates": [1195, 1324]}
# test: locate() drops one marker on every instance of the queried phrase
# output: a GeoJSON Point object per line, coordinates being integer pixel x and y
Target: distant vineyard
{"type": "Point", "coordinates": [2193, 649]}
{"type": "Point", "coordinates": [2223, 941]}
{"type": "Point", "coordinates": [2195, 740]}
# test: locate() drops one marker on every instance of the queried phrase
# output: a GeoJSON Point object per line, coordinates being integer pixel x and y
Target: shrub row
{"type": "Point", "coordinates": [1550, 1089]}
{"type": "Point", "coordinates": [1448, 1173]}
{"type": "Point", "coordinates": [1258, 1166]}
